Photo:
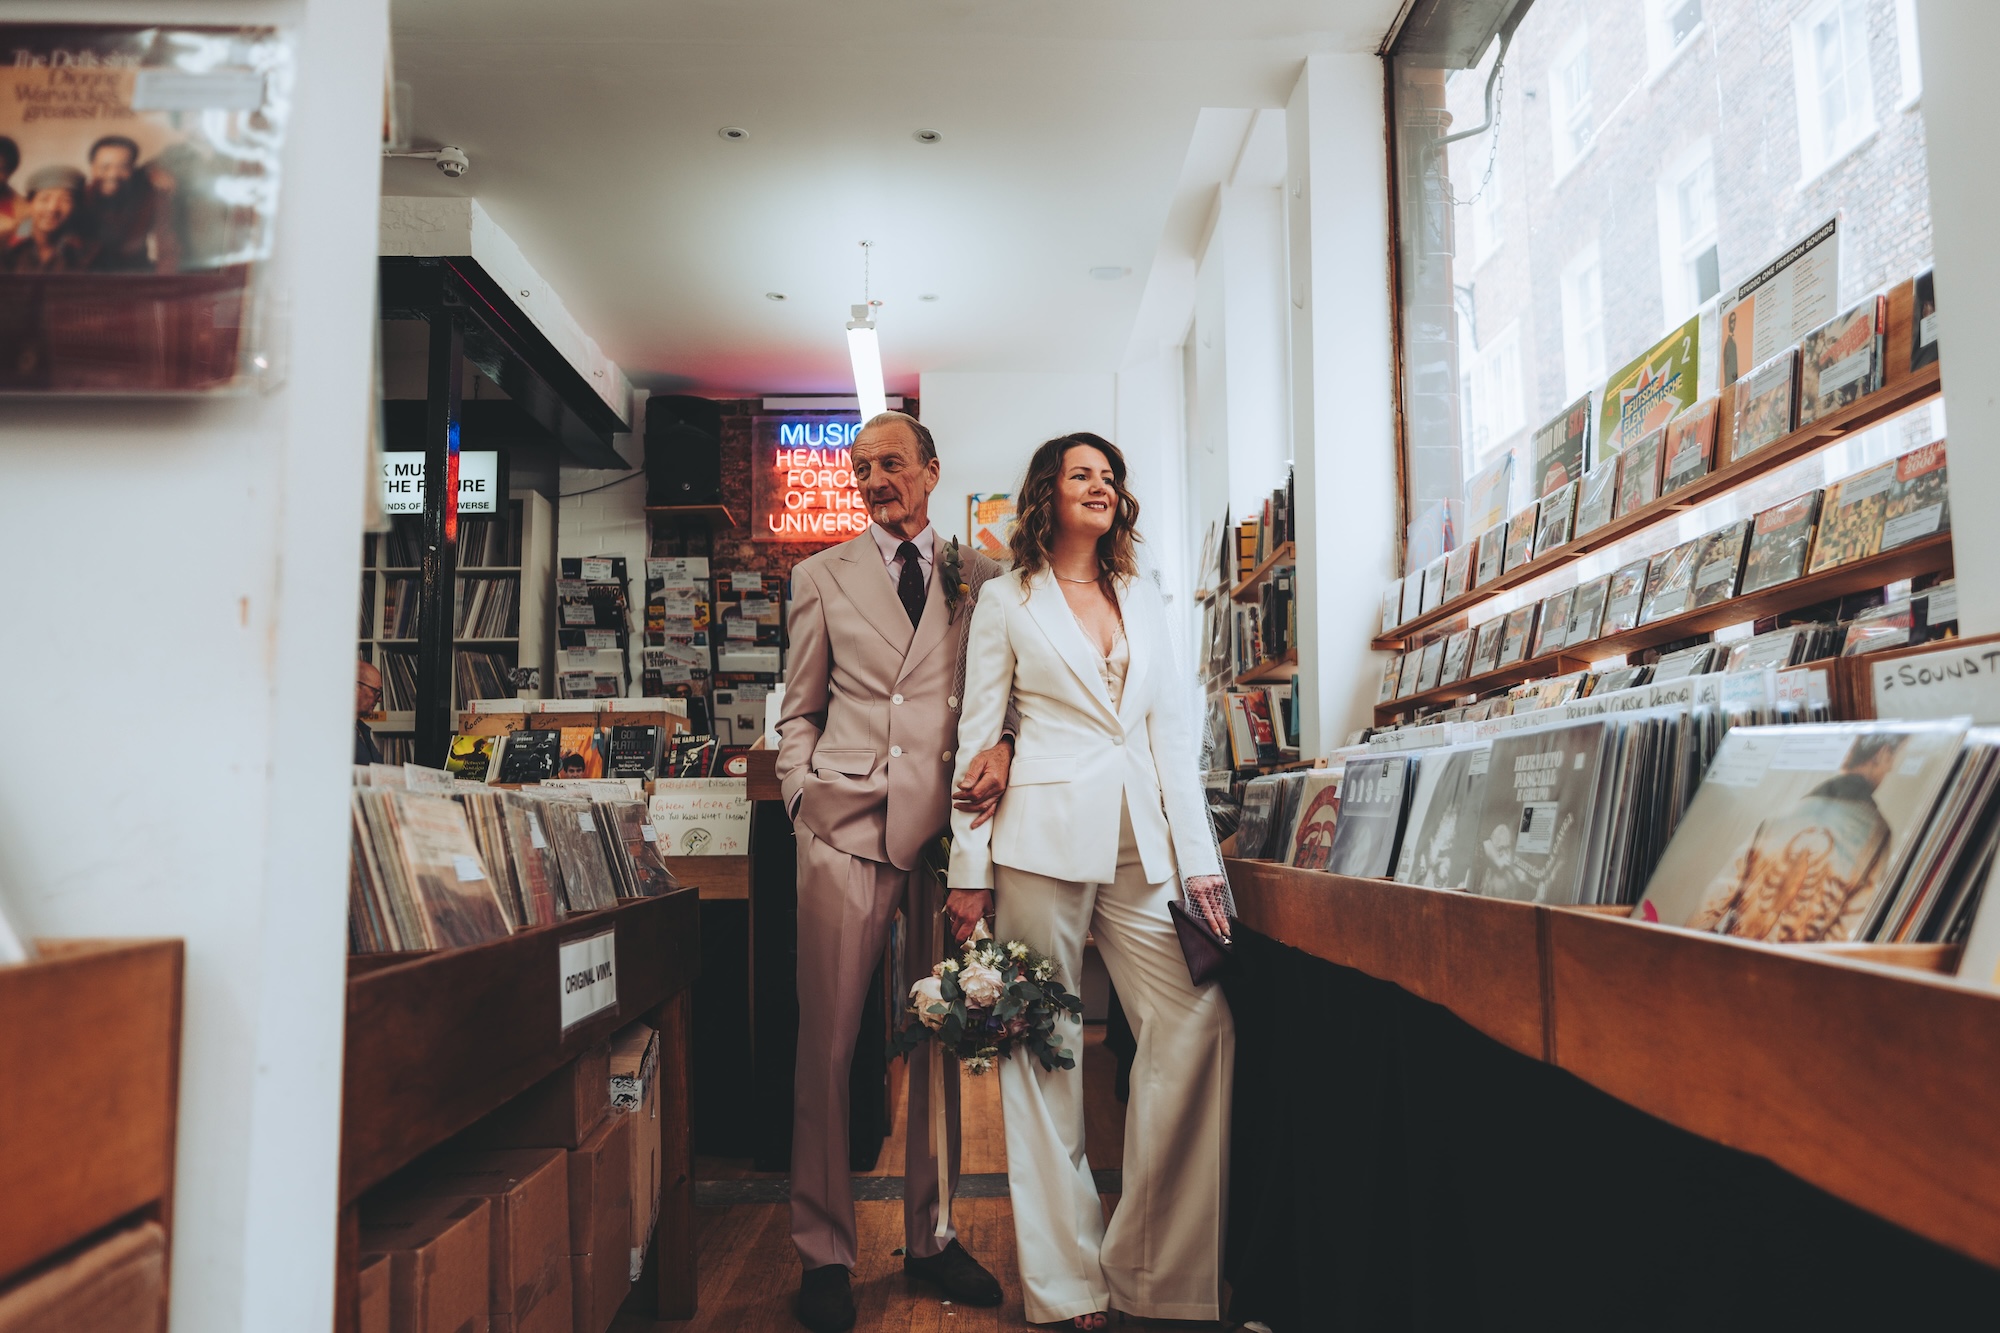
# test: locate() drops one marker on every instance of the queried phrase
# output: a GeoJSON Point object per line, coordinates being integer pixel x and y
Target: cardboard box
{"type": "Point", "coordinates": [372, 1307]}
{"type": "Point", "coordinates": [440, 1252]}
{"type": "Point", "coordinates": [116, 1286]}
{"type": "Point", "coordinates": [635, 1092]}
{"type": "Point", "coordinates": [529, 1191]}
{"type": "Point", "coordinates": [600, 1224]}
{"type": "Point", "coordinates": [559, 1112]}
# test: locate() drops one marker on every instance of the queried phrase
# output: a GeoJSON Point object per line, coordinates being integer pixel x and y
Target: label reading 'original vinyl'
{"type": "Point", "coordinates": [587, 977]}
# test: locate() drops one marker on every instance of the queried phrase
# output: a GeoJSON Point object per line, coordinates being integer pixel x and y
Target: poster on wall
{"type": "Point", "coordinates": [138, 195]}
{"type": "Point", "coordinates": [802, 486]}
{"type": "Point", "coordinates": [989, 522]}
{"type": "Point", "coordinates": [1646, 393]}
{"type": "Point", "coordinates": [1782, 302]}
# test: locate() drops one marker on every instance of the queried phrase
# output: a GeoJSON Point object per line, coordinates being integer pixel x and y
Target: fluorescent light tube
{"type": "Point", "coordinates": [866, 355]}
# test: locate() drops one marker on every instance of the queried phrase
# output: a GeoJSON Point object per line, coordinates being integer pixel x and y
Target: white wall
{"type": "Point", "coordinates": [1343, 393]}
{"type": "Point", "coordinates": [610, 521]}
{"type": "Point", "coordinates": [1957, 39]}
{"type": "Point", "coordinates": [192, 750]}
{"type": "Point", "coordinates": [987, 426]}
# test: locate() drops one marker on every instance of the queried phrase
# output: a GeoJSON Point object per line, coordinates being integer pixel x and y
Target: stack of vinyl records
{"type": "Point", "coordinates": [588, 882]}
{"type": "Point", "coordinates": [1788, 647]}
{"type": "Point", "coordinates": [631, 849]}
{"type": "Point", "coordinates": [486, 607]}
{"type": "Point", "coordinates": [417, 878]}
{"type": "Point", "coordinates": [516, 849]}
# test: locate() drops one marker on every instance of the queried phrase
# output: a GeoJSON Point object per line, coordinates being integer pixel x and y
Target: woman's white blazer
{"type": "Point", "coordinates": [1075, 757]}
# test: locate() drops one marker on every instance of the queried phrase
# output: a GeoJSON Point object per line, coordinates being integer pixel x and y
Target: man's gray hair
{"type": "Point", "coordinates": [926, 446]}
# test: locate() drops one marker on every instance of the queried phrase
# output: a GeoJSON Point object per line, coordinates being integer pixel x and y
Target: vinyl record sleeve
{"type": "Point", "coordinates": [1795, 829]}
{"type": "Point", "coordinates": [1560, 446]}
{"type": "Point", "coordinates": [1392, 673]}
{"type": "Point", "coordinates": [588, 884]}
{"type": "Point", "coordinates": [1486, 649]}
{"type": "Point", "coordinates": [1624, 597]}
{"type": "Point", "coordinates": [1442, 833]}
{"type": "Point", "coordinates": [1535, 819]}
{"type": "Point", "coordinates": [1392, 606]}
{"type": "Point", "coordinates": [1767, 403]}
{"type": "Point", "coordinates": [1309, 841]}
{"type": "Point", "coordinates": [1253, 824]}
{"type": "Point", "coordinates": [448, 877]}
{"type": "Point", "coordinates": [1520, 539]}
{"type": "Point", "coordinates": [1558, 512]}
{"type": "Point", "coordinates": [1457, 569]}
{"type": "Point", "coordinates": [1688, 452]}
{"type": "Point", "coordinates": [1430, 664]}
{"type": "Point", "coordinates": [1406, 685]}
{"type": "Point", "coordinates": [1598, 498]}
{"type": "Point", "coordinates": [1517, 633]}
{"type": "Point", "coordinates": [1586, 611]}
{"type": "Point", "coordinates": [1719, 563]}
{"type": "Point", "coordinates": [636, 836]}
{"type": "Point", "coordinates": [1669, 582]}
{"type": "Point", "coordinates": [537, 878]}
{"type": "Point", "coordinates": [1779, 541]}
{"type": "Point", "coordinates": [1457, 656]}
{"type": "Point", "coordinates": [1851, 517]}
{"type": "Point", "coordinates": [1639, 473]}
{"type": "Point", "coordinates": [1841, 360]}
{"type": "Point", "coordinates": [1433, 586]}
{"type": "Point", "coordinates": [471, 757]}
{"type": "Point", "coordinates": [530, 756]}
{"type": "Point", "coordinates": [1487, 493]}
{"type": "Point", "coordinates": [1492, 553]}
{"type": "Point", "coordinates": [1920, 504]}
{"type": "Point", "coordinates": [1552, 623]}
{"type": "Point", "coordinates": [1923, 321]}
{"type": "Point", "coordinates": [1373, 794]}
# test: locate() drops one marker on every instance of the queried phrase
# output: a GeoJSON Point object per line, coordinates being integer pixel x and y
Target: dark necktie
{"type": "Point", "coordinates": [910, 587]}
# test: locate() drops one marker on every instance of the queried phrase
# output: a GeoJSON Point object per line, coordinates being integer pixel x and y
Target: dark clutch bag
{"type": "Point", "coordinates": [1206, 952]}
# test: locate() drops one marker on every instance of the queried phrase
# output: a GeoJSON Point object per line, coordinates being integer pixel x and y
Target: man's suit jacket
{"type": "Point", "coordinates": [869, 731]}
{"type": "Point", "coordinates": [1075, 756]}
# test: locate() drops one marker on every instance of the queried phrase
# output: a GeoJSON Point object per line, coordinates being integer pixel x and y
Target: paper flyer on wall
{"type": "Point", "coordinates": [1782, 302]}
{"type": "Point", "coordinates": [1649, 391]}
{"type": "Point", "coordinates": [989, 522]}
{"type": "Point", "coordinates": [144, 195]}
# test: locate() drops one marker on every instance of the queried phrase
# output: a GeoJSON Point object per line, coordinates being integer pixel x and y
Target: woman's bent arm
{"type": "Point", "coordinates": [989, 685]}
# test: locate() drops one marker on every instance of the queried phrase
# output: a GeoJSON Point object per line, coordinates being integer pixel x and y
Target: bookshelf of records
{"type": "Point", "coordinates": [1250, 643]}
{"type": "Point", "coordinates": [714, 637]}
{"type": "Point", "coordinates": [500, 639]}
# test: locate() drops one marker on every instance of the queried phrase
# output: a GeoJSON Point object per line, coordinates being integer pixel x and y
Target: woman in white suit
{"type": "Point", "coordinates": [1102, 819]}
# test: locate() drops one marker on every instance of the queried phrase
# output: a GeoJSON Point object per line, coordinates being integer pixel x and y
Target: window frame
{"type": "Point", "coordinates": [1680, 294]}
{"type": "Point", "coordinates": [1819, 153]}
{"type": "Point", "coordinates": [1489, 361]}
{"type": "Point", "coordinates": [1576, 347]}
{"type": "Point", "coordinates": [1562, 113]}
{"type": "Point", "coordinates": [1661, 49]}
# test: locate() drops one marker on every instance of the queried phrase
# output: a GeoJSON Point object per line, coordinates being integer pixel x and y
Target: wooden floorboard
{"type": "Point", "coordinates": [749, 1272]}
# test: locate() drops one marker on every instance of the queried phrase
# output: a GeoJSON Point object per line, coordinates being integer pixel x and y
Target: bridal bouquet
{"type": "Point", "coordinates": [988, 1002]}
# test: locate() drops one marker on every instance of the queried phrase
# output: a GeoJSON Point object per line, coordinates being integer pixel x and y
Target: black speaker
{"type": "Point", "coordinates": [683, 451]}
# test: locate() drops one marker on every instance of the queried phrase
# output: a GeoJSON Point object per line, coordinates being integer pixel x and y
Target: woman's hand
{"type": "Point", "coordinates": [1205, 894]}
{"type": "Point", "coordinates": [967, 908]}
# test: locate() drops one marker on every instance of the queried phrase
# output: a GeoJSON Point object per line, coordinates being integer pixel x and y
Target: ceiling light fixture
{"type": "Point", "coordinates": [927, 136]}
{"type": "Point", "coordinates": [864, 353]}
{"type": "Point", "coordinates": [734, 133]}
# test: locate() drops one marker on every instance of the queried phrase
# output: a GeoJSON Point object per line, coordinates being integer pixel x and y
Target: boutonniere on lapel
{"type": "Point", "coordinates": [956, 589]}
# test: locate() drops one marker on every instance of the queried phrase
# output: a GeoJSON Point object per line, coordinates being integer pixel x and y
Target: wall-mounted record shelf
{"type": "Point", "coordinates": [1274, 672]}
{"type": "Point", "coordinates": [1871, 1081]}
{"type": "Point", "coordinates": [1929, 555]}
{"type": "Point", "coordinates": [1896, 396]}
{"type": "Point", "coordinates": [1249, 590]}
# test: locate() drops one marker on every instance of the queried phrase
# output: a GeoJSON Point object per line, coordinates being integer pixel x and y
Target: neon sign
{"type": "Point", "coordinates": [802, 479]}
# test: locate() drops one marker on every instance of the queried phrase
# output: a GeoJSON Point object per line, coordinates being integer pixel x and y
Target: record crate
{"type": "Point", "coordinates": [90, 1037]}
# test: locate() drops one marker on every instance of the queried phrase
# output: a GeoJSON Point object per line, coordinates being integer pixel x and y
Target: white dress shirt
{"type": "Point", "coordinates": [888, 543]}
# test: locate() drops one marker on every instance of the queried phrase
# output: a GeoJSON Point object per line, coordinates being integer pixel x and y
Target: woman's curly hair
{"type": "Point", "coordinates": [1035, 511]}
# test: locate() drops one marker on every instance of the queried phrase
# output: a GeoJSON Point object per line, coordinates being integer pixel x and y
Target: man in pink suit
{"type": "Point", "coordinates": [867, 746]}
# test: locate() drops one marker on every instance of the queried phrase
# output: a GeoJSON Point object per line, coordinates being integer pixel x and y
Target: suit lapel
{"type": "Point", "coordinates": [862, 576]}
{"type": "Point", "coordinates": [931, 629]}
{"type": "Point", "coordinates": [1137, 612]}
{"type": "Point", "coordinates": [1052, 613]}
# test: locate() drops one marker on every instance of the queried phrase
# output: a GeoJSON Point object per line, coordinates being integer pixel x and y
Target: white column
{"type": "Point", "coordinates": [1343, 394]}
{"type": "Point", "coordinates": [1961, 100]}
{"type": "Point", "coordinates": [191, 748]}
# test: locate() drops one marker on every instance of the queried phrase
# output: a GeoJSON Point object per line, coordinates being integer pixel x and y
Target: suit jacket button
{"type": "Point", "coordinates": [895, 698]}
{"type": "Point", "coordinates": [1117, 740]}
{"type": "Point", "coordinates": [947, 756]}
{"type": "Point", "coordinates": [952, 702]}
{"type": "Point", "coordinates": [895, 752]}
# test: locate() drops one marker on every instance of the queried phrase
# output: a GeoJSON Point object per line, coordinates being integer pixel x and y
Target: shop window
{"type": "Point", "coordinates": [1690, 264]}
{"type": "Point", "coordinates": [1583, 323]}
{"type": "Point", "coordinates": [1569, 93]}
{"type": "Point", "coordinates": [1835, 96]}
{"type": "Point", "coordinates": [1511, 311]}
{"type": "Point", "coordinates": [1907, 54]}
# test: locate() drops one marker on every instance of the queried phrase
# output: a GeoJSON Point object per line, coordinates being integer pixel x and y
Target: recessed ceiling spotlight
{"type": "Point", "coordinates": [1108, 272]}
{"type": "Point", "coordinates": [928, 296]}
{"type": "Point", "coordinates": [734, 132]}
{"type": "Point", "coordinates": [927, 136]}
{"type": "Point", "coordinates": [774, 296]}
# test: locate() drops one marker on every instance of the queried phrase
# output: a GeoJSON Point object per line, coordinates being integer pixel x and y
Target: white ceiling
{"type": "Point", "coordinates": [592, 129]}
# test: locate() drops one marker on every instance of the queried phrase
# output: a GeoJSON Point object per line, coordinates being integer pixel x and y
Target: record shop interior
{"type": "Point", "coordinates": [1494, 458]}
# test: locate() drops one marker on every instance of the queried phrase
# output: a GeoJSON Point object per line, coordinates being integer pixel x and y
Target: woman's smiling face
{"type": "Point", "coordinates": [1087, 493]}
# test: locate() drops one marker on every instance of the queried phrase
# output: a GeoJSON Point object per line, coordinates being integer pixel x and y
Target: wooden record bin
{"type": "Point", "coordinates": [437, 1041]}
{"type": "Point", "coordinates": [90, 1038]}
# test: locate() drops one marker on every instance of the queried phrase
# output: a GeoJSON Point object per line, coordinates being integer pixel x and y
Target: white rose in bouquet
{"type": "Point", "coordinates": [982, 985]}
{"type": "Point", "coordinates": [925, 995]}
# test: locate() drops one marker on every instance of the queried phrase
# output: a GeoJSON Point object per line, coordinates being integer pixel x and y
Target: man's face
{"type": "Point", "coordinates": [110, 168]}
{"type": "Point", "coordinates": [895, 482]}
{"type": "Point", "coordinates": [367, 689]}
{"type": "Point", "coordinates": [50, 209]}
